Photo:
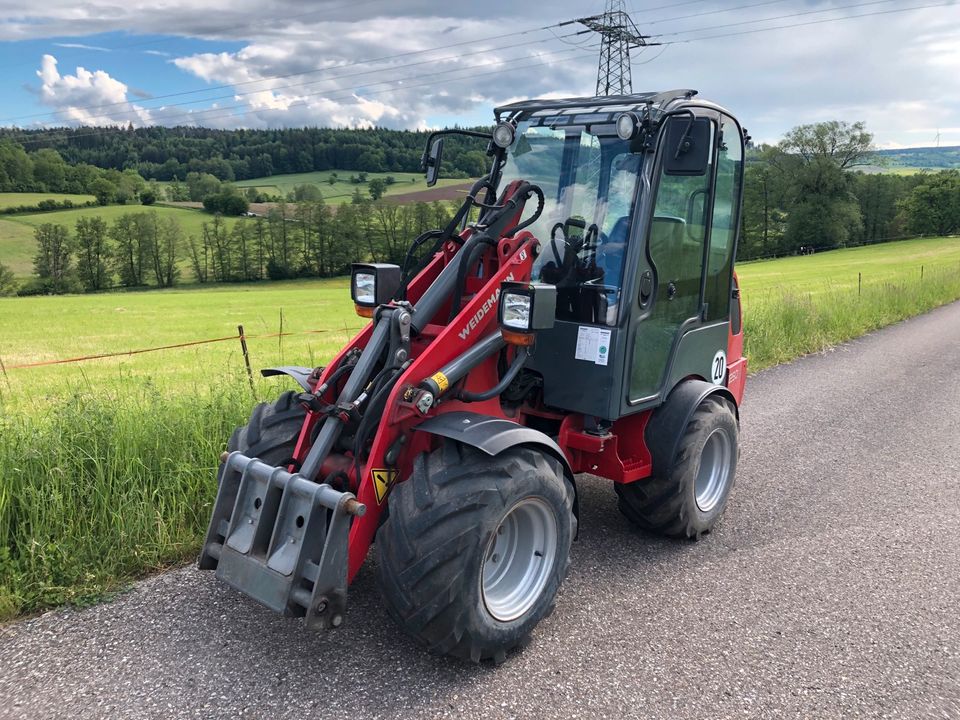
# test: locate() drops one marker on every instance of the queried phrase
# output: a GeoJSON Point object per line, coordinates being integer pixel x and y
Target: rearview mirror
{"type": "Point", "coordinates": [433, 161]}
{"type": "Point", "coordinates": [686, 147]}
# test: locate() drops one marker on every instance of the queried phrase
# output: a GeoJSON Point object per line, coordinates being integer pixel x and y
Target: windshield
{"type": "Point", "coordinates": [589, 180]}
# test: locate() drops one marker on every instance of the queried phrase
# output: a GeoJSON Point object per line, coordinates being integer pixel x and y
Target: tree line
{"type": "Point", "coordinates": [808, 193]}
{"type": "Point", "coordinates": [166, 154]}
{"type": "Point", "coordinates": [149, 249]}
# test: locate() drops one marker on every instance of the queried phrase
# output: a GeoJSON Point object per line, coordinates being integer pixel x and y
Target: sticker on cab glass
{"type": "Point", "coordinates": [718, 368]}
{"type": "Point", "coordinates": [382, 480]}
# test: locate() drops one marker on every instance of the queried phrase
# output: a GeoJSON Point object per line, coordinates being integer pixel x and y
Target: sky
{"type": "Point", "coordinates": [424, 64]}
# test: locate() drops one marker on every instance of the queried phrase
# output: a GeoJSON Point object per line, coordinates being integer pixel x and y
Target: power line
{"type": "Point", "coordinates": [134, 113]}
{"type": "Point", "coordinates": [303, 103]}
{"type": "Point", "coordinates": [777, 17]}
{"type": "Point", "coordinates": [268, 78]}
{"type": "Point", "coordinates": [245, 26]}
{"type": "Point", "coordinates": [805, 24]}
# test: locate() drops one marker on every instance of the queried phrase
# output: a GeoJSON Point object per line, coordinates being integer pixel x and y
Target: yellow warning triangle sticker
{"type": "Point", "coordinates": [382, 480]}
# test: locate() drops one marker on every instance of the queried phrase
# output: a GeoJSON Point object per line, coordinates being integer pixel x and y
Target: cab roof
{"type": "Point", "coordinates": [608, 105]}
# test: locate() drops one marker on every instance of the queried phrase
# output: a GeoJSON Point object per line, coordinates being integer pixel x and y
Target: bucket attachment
{"type": "Point", "coordinates": [282, 540]}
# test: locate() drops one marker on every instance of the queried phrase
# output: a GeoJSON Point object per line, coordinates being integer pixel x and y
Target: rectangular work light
{"type": "Point", "coordinates": [373, 284]}
{"type": "Point", "coordinates": [524, 309]}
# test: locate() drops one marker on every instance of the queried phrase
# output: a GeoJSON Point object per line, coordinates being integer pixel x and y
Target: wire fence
{"type": "Point", "coordinates": [240, 337]}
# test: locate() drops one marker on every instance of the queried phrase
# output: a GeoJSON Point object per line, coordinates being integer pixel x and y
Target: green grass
{"type": "Point", "coordinates": [107, 467]}
{"type": "Point", "coordinates": [342, 189]}
{"type": "Point", "coordinates": [8, 200]}
{"type": "Point", "coordinates": [17, 246]}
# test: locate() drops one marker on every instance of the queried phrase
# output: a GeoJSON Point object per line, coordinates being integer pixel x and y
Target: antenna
{"type": "Point", "coordinates": [619, 34]}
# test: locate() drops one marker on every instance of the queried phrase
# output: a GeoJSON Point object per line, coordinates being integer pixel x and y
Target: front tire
{"type": "Point", "coordinates": [271, 433]}
{"type": "Point", "coordinates": [475, 548]}
{"type": "Point", "coordinates": [689, 501]}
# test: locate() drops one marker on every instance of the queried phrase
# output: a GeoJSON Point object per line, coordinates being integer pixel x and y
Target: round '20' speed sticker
{"type": "Point", "coordinates": [718, 368]}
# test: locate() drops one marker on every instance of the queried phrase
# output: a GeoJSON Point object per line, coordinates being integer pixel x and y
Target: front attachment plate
{"type": "Point", "coordinates": [281, 539]}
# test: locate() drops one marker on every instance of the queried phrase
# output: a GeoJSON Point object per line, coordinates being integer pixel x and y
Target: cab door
{"type": "Point", "coordinates": [691, 244]}
{"type": "Point", "coordinates": [676, 243]}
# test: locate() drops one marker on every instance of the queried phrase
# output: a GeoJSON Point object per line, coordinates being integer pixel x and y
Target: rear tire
{"type": "Point", "coordinates": [271, 433]}
{"type": "Point", "coordinates": [689, 501]}
{"type": "Point", "coordinates": [475, 548]}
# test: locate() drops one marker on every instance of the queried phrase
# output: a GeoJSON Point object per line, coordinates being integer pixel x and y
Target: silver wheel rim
{"type": "Point", "coordinates": [519, 559]}
{"type": "Point", "coordinates": [714, 473]}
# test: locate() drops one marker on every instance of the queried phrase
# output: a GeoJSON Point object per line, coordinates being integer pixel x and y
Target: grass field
{"type": "Point", "coordinates": [8, 200]}
{"type": "Point", "coordinates": [342, 189]}
{"type": "Point", "coordinates": [17, 245]}
{"type": "Point", "coordinates": [107, 467]}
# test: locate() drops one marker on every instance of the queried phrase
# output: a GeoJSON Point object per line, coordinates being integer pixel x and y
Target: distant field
{"type": "Point", "coordinates": [8, 200]}
{"type": "Point", "coordinates": [341, 190]}
{"type": "Point", "coordinates": [47, 328]}
{"type": "Point", "coordinates": [17, 246]}
{"type": "Point", "coordinates": [837, 269]}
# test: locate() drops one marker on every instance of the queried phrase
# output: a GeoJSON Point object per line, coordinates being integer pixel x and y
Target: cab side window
{"type": "Point", "coordinates": [723, 232]}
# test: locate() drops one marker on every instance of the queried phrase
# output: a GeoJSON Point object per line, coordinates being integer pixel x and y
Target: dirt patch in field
{"type": "Point", "coordinates": [450, 192]}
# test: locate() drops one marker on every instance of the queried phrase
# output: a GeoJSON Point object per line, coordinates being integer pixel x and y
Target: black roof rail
{"type": "Point", "coordinates": [649, 98]}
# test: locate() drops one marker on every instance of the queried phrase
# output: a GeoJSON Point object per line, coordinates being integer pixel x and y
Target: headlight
{"type": "Point", "coordinates": [503, 135]}
{"type": "Point", "coordinates": [627, 125]}
{"type": "Point", "coordinates": [524, 309]}
{"type": "Point", "coordinates": [373, 284]}
{"type": "Point", "coordinates": [365, 289]}
{"type": "Point", "coordinates": [516, 311]}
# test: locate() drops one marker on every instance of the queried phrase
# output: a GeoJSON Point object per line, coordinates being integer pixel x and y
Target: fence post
{"type": "Point", "coordinates": [859, 283]}
{"type": "Point", "coordinates": [246, 355]}
{"type": "Point", "coordinates": [921, 273]}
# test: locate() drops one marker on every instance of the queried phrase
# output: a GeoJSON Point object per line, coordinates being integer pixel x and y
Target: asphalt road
{"type": "Point", "coordinates": [830, 589]}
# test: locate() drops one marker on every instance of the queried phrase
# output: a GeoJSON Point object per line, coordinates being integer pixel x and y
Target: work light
{"type": "Point", "coordinates": [524, 309]}
{"type": "Point", "coordinates": [373, 284]}
{"type": "Point", "coordinates": [627, 125]}
{"type": "Point", "coordinates": [503, 135]}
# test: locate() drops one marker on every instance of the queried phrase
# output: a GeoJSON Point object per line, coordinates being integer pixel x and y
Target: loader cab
{"type": "Point", "coordinates": [638, 235]}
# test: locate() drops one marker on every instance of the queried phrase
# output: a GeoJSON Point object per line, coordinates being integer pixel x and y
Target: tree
{"type": "Point", "coordinates": [92, 253]}
{"type": "Point", "coordinates": [8, 283]}
{"type": "Point", "coordinates": [52, 261]}
{"type": "Point", "coordinates": [933, 207]}
{"type": "Point", "coordinates": [812, 161]}
{"type": "Point", "coordinates": [837, 143]}
{"type": "Point", "coordinates": [377, 187]}
{"type": "Point", "coordinates": [133, 236]}
{"type": "Point", "coordinates": [103, 190]}
{"type": "Point", "coordinates": [148, 197]}
{"type": "Point", "coordinates": [165, 251]}
{"type": "Point", "coordinates": [202, 185]}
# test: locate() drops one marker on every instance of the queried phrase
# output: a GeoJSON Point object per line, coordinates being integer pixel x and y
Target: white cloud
{"type": "Point", "coordinates": [87, 98]}
{"type": "Point", "coordinates": [892, 71]}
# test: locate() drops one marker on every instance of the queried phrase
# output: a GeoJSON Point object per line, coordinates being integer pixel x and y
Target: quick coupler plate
{"type": "Point", "coordinates": [281, 539]}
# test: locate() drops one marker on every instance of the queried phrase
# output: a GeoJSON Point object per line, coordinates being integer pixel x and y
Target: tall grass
{"type": "Point", "coordinates": [783, 324]}
{"type": "Point", "coordinates": [102, 485]}
{"type": "Point", "coordinates": [99, 488]}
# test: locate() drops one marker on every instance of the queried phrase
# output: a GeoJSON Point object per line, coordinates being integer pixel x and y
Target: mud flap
{"type": "Point", "coordinates": [282, 540]}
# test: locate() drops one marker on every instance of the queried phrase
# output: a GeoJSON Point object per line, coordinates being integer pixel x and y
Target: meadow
{"type": "Point", "coordinates": [9, 200]}
{"type": "Point", "coordinates": [107, 466]}
{"type": "Point", "coordinates": [341, 189]}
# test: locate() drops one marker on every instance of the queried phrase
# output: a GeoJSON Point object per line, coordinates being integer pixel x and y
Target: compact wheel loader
{"type": "Point", "coordinates": [579, 314]}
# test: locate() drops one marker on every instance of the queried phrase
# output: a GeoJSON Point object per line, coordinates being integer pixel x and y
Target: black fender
{"type": "Point", "coordinates": [493, 435]}
{"type": "Point", "coordinates": [668, 422]}
{"type": "Point", "coordinates": [300, 374]}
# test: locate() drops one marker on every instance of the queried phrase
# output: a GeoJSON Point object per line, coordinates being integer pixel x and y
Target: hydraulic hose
{"type": "Point", "coordinates": [511, 374]}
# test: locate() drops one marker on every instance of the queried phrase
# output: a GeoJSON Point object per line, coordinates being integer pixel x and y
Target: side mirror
{"type": "Point", "coordinates": [686, 146]}
{"type": "Point", "coordinates": [432, 161]}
